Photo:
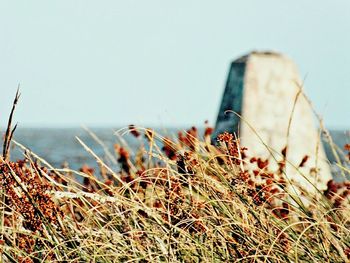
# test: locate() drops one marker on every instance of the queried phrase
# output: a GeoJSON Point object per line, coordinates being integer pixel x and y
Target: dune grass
{"type": "Point", "coordinates": [187, 201]}
{"type": "Point", "coordinates": [174, 200]}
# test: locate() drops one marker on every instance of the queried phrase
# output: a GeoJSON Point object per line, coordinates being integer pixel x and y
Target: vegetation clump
{"type": "Point", "coordinates": [184, 199]}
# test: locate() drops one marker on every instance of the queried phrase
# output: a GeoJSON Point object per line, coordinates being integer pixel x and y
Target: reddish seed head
{"type": "Point", "coordinates": [109, 182]}
{"type": "Point", "coordinates": [192, 133]}
{"type": "Point", "coordinates": [123, 153]}
{"type": "Point", "coordinates": [149, 134]}
{"type": "Point", "coordinates": [244, 175]}
{"type": "Point", "coordinates": [269, 181]}
{"type": "Point", "coordinates": [347, 147]}
{"type": "Point", "coordinates": [251, 183]}
{"type": "Point", "coordinates": [208, 131]}
{"type": "Point", "coordinates": [274, 191]}
{"type": "Point", "coordinates": [262, 164]}
{"type": "Point", "coordinates": [168, 149]}
{"type": "Point", "coordinates": [253, 160]}
{"type": "Point", "coordinates": [284, 152]}
{"type": "Point", "coordinates": [225, 137]}
{"type": "Point", "coordinates": [347, 252]}
{"type": "Point", "coordinates": [157, 204]}
{"type": "Point", "coordinates": [281, 164]}
{"type": "Point", "coordinates": [303, 161]}
{"type": "Point", "coordinates": [133, 130]}
{"type": "Point", "coordinates": [87, 169]}
{"type": "Point", "coordinates": [182, 139]}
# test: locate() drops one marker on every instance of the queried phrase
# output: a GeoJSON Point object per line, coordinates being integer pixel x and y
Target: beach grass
{"type": "Point", "coordinates": [180, 199]}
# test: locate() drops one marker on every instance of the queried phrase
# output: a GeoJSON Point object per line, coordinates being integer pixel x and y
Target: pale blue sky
{"type": "Point", "coordinates": [161, 62]}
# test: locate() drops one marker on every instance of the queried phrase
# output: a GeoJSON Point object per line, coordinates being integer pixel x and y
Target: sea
{"type": "Point", "coordinates": [60, 146]}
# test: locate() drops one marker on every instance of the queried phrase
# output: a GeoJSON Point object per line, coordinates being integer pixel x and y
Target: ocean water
{"type": "Point", "coordinates": [60, 145]}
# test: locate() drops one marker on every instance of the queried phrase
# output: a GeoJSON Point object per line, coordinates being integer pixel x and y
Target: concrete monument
{"type": "Point", "coordinates": [264, 88]}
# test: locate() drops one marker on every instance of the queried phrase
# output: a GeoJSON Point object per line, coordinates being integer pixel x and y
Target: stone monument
{"type": "Point", "coordinates": [264, 89]}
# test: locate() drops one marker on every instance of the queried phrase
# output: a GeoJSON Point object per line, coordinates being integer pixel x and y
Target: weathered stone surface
{"type": "Point", "coordinates": [262, 87]}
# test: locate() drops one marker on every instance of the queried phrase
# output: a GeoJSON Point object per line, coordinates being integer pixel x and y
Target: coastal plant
{"type": "Point", "coordinates": [183, 199]}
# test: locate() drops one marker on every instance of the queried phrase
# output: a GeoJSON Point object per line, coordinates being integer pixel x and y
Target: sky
{"type": "Point", "coordinates": [158, 62]}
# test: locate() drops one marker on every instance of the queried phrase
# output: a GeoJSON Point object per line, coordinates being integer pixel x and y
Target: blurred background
{"type": "Point", "coordinates": [156, 63]}
{"type": "Point", "coordinates": [163, 63]}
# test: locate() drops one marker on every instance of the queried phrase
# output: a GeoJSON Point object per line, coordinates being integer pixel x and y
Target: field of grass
{"type": "Point", "coordinates": [184, 201]}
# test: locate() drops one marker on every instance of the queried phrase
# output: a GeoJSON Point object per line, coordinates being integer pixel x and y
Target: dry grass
{"type": "Point", "coordinates": [184, 201]}
{"type": "Point", "coordinates": [188, 201]}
